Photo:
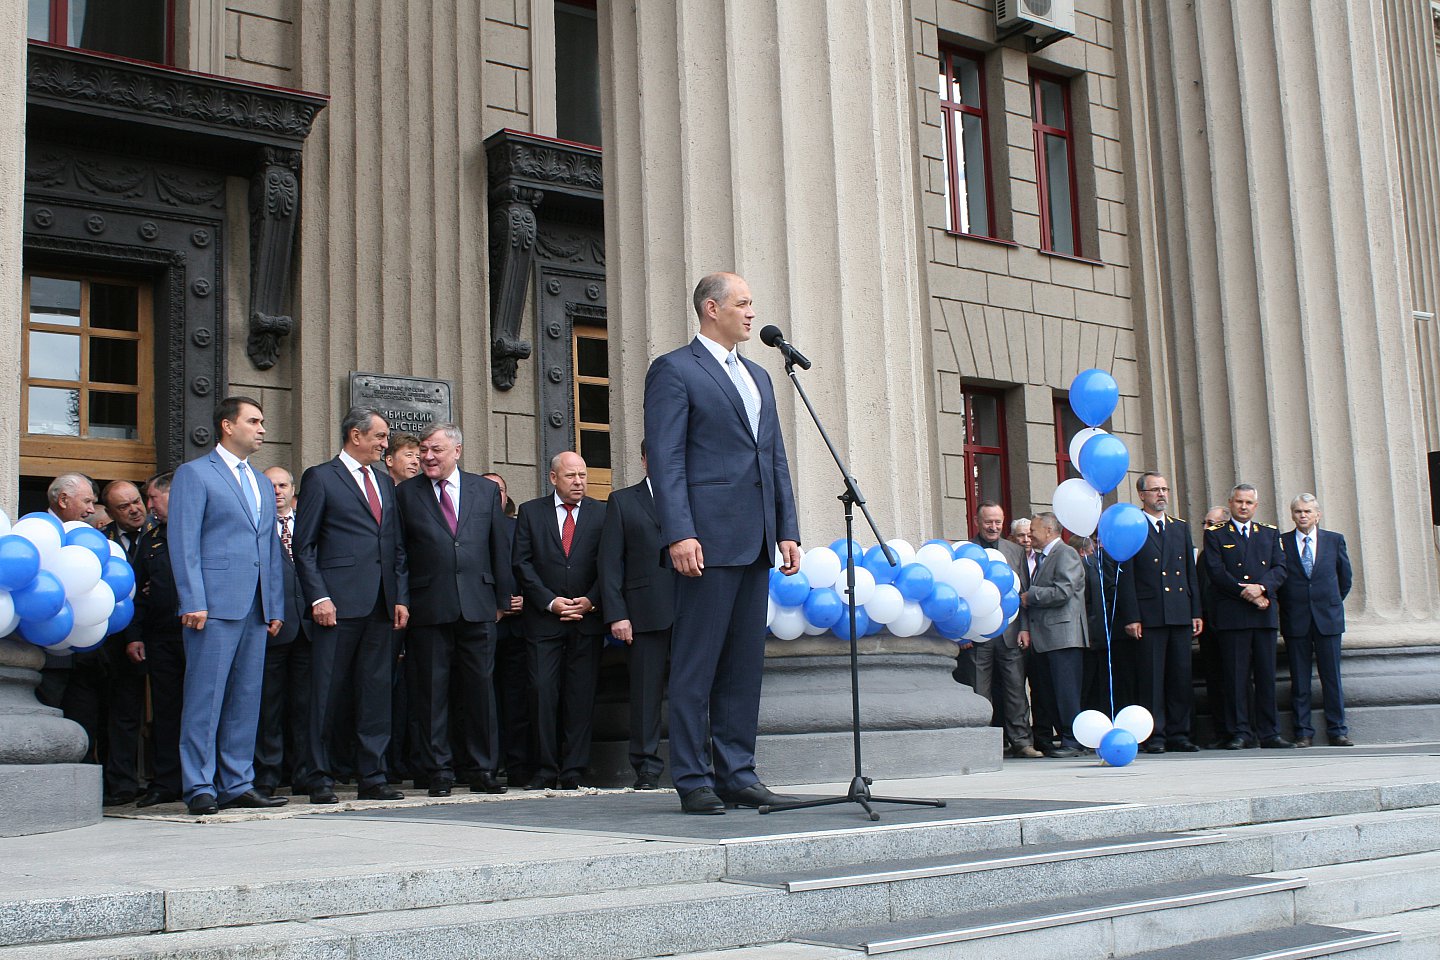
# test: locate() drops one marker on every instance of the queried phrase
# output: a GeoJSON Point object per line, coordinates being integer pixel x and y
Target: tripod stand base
{"type": "Point", "coordinates": [859, 793]}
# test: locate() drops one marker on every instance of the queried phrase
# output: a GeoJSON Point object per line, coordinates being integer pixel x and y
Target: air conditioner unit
{"type": "Point", "coordinates": [1047, 19]}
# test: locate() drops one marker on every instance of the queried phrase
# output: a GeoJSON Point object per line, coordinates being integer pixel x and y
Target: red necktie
{"type": "Point", "coordinates": [567, 529]}
{"type": "Point", "coordinates": [447, 508]}
{"type": "Point", "coordinates": [371, 494]}
{"type": "Point", "coordinates": [286, 539]}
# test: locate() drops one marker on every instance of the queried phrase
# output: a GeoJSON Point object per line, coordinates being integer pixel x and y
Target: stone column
{"type": "Point", "coordinates": [12, 206]}
{"type": "Point", "coordinates": [1280, 344]}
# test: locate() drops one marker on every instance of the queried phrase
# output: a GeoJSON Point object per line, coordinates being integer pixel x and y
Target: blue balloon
{"type": "Point", "coordinates": [943, 543]}
{"type": "Point", "coordinates": [49, 518]}
{"type": "Point", "coordinates": [40, 600]}
{"type": "Point", "coordinates": [997, 632]}
{"type": "Point", "coordinates": [915, 582]}
{"type": "Point", "coordinates": [973, 551]}
{"type": "Point", "coordinates": [1118, 747]}
{"type": "Point", "coordinates": [874, 628]}
{"type": "Point", "coordinates": [1009, 604]}
{"type": "Point", "coordinates": [862, 624]}
{"type": "Point", "coordinates": [775, 577]}
{"type": "Point", "coordinates": [879, 567]}
{"type": "Point", "coordinates": [792, 590]}
{"type": "Point", "coordinates": [1093, 396]}
{"type": "Point", "coordinates": [1104, 460]}
{"type": "Point", "coordinates": [92, 540]}
{"type": "Point", "coordinates": [1123, 529]}
{"type": "Point", "coordinates": [823, 607]}
{"type": "Point", "coordinates": [51, 630]}
{"type": "Point", "coordinates": [124, 612]}
{"type": "Point", "coordinates": [120, 578]}
{"type": "Point", "coordinates": [958, 624]}
{"type": "Point", "coordinates": [942, 602]}
{"type": "Point", "coordinates": [19, 562]}
{"type": "Point", "coordinates": [839, 547]}
{"type": "Point", "coordinates": [999, 573]}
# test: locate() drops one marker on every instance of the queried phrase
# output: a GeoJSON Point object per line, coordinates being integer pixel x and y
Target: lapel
{"type": "Point", "coordinates": [647, 500]}
{"type": "Point", "coordinates": [552, 522]}
{"type": "Point", "coordinates": [349, 483]}
{"type": "Point", "coordinates": [432, 501]}
{"type": "Point", "coordinates": [722, 380]}
{"type": "Point", "coordinates": [247, 508]}
{"type": "Point", "coordinates": [469, 493]}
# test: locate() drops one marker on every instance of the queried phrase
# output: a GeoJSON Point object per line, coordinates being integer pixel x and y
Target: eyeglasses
{"type": "Point", "coordinates": [1156, 490]}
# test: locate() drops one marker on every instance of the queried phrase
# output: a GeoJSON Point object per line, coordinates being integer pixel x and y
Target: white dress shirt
{"type": "Point", "coordinates": [721, 355]}
{"type": "Point", "coordinates": [354, 467]}
{"type": "Point", "coordinates": [247, 479]}
{"type": "Point", "coordinates": [560, 514]}
{"type": "Point", "coordinates": [452, 487]}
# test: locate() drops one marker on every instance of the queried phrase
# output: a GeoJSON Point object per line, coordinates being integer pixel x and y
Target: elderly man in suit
{"type": "Point", "coordinates": [1160, 608]}
{"type": "Point", "coordinates": [351, 561]}
{"type": "Point", "coordinates": [458, 550]}
{"type": "Point", "coordinates": [226, 562]}
{"type": "Point", "coordinates": [638, 597]}
{"type": "Point", "coordinates": [1002, 657]}
{"type": "Point", "coordinates": [1053, 622]}
{"type": "Point", "coordinates": [557, 550]}
{"type": "Point", "coordinates": [1246, 568]}
{"type": "Point", "coordinates": [723, 495]}
{"type": "Point", "coordinates": [1312, 618]}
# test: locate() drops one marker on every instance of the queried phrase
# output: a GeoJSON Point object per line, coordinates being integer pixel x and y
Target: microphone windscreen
{"type": "Point", "coordinates": [770, 335]}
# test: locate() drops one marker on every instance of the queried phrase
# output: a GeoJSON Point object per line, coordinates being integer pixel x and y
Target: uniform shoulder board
{"type": "Point", "coordinates": [1272, 526]}
{"type": "Point", "coordinates": [1171, 518]}
{"type": "Point", "coordinates": [1217, 526]}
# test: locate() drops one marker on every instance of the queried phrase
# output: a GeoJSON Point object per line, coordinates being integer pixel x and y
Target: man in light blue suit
{"type": "Point", "coordinates": [226, 559]}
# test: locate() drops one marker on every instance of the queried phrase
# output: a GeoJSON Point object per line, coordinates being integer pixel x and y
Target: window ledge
{"type": "Point", "coordinates": [982, 238]}
{"type": "Point", "coordinates": [1071, 257]}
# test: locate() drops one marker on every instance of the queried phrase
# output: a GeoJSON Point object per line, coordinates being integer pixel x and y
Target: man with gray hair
{"type": "Point", "coordinates": [1312, 618]}
{"type": "Point", "coordinates": [71, 497]}
{"type": "Point", "coordinates": [1053, 621]}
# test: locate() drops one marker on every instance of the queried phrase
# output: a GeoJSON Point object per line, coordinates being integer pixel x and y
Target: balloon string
{"type": "Point", "coordinates": [1107, 615]}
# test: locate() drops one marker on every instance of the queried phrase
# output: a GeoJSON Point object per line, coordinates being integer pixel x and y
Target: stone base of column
{"type": "Point", "coordinates": [46, 797]}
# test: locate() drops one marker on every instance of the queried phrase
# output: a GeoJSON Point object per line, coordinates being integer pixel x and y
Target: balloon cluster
{"type": "Point", "coordinates": [1118, 742]}
{"type": "Point", "coordinates": [967, 593]}
{"type": "Point", "coordinates": [64, 587]}
{"type": "Point", "coordinates": [1103, 461]}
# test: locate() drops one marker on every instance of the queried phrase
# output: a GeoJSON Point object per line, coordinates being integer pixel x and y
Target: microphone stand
{"type": "Point", "coordinates": [859, 791]}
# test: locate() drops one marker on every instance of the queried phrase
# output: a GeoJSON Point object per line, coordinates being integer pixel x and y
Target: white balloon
{"type": "Point", "coordinates": [821, 567]}
{"type": "Point", "coordinates": [864, 586]}
{"type": "Point", "coordinates": [94, 605]}
{"type": "Point", "coordinates": [8, 626]}
{"type": "Point", "coordinates": [935, 558]}
{"type": "Point", "coordinates": [85, 635]}
{"type": "Point", "coordinates": [116, 551]}
{"type": "Point", "coordinates": [903, 548]}
{"type": "Point", "coordinates": [1078, 441]}
{"type": "Point", "coordinates": [77, 569]}
{"type": "Point", "coordinates": [4, 523]}
{"type": "Point", "coordinates": [911, 622]}
{"type": "Point", "coordinates": [74, 525]}
{"type": "Point", "coordinates": [1077, 506]}
{"type": "Point", "coordinates": [7, 610]}
{"type": "Point", "coordinates": [886, 603]}
{"type": "Point", "coordinates": [789, 623]}
{"type": "Point", "coordinates": [770, 609]}
{"type": "Point", "coordinates": [42, 534]}
{"type": "Point", "coordinates": [1137, 720]}
{"type": "Point", "coordinates": [813, 631]}
{"type": "Point", "coordinates": [1090, 726]}
{"type": "Point", "coordinates": [994, 554]}
{"type": "Point", "coordinates": [989, 622]}
{"type": "Point", "coordinates": [984, 599]}
{"type": "Point", "coordinates": [964, 575]}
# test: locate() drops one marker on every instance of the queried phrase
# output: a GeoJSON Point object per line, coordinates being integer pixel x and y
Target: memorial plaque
{"type": "Point", "coordinates": [409, 404]}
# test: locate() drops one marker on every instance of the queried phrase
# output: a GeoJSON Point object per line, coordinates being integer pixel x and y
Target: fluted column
{"type": "Point", "coordinates": [12, 205]}
{"type": "Point", "coordinates": [1277, 278]}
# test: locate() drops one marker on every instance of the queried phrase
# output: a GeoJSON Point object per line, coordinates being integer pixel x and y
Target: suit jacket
{"type": "Point", "coordinates": [340, 552]}
{"type": "Point", "coordinates": [1159, 585]}
{"type": "Point", "coordinates": [1102, 593]}
{"type": "Point", "coordinates": [219, 554]}
{"type": "Point", "coordinates": [295, 606]}
{"type": "Point", "coordinates": [1318, 599]}
{"type": "Point", "coordinates": [713, 479]}
{"type": "Point", "coordinates": [112, 532]}
{"type": "Point", "coordinates": [1015, 556]}
{"type": "Point", "coordinates": [545, 572]}
{"type": "Point", "coordinates": [634, 585]}
{"type": "Point", "coordinates": [459, 576]}
{"type": "Point", "coordinates": [156, 603]}
{"type": "Point", "coordinates": [1054, 611]}
{"type": "Point", "coordinates": [1233, 562]}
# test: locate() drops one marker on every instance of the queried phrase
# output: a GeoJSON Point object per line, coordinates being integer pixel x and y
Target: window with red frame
{"type": "Point", "coordinates": [137, 29]}
{"type": "Point", "coordinates": [987, 473]}
{"type": "Point", "coordinates": [1055, 164]}
{"type": "Point", "coordinates": [1066, 426]}
{"type": "Point", "coordinates": [969, 206]}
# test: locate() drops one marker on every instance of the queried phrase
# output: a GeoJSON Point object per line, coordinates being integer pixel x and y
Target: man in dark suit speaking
{"type": "Point", "coordinates": [722, 491]}
{"type": "Point", "coordinates": [1312, 618]}
{"type": "Point", "coordinates": [457, 545]}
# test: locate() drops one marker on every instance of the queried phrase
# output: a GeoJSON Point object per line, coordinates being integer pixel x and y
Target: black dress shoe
{"type": "Point", "coordinates": [1234, 743]}
{"type": "Point", "coordinates": [201, 804]}
{"type": "Point", "coordinates": [486, 782]}
{"type": "Point", "coordinates": [155, 796]}
{"type": "Point", "coordinates": [1062, 753]}
{"type": "Point", "coordinates": [440, 788]}
{"type": "Point", "coordinates": [252, 800]}
{"type": "Point", "coordinates": [323, 795]}
{"type": "Point", "coordinates": [1152, 746]}
{"type": "Point", "coordinates": [567, 784]}
{"type": "Point", "coordinates": [643, 782]}
{"type": "Point", "coordinates": [1341, 741]}
{"type": "Point", "coordinates": [702, 801]}
{"type": "Point", "coordinates": [1277, 742]}
{"type": "Point", "coordinates": [1303, 742]}
{"type": "Point", "coordinates": [755, 795]}
{"type": "Point", "coordinates": [1181, 746]}
{"type": "Point", "coordinates": [380, 791]}
{"type": "Point", "coordinates": [539, 783]}
{"type": "Point", "coordinates": [119, 798]}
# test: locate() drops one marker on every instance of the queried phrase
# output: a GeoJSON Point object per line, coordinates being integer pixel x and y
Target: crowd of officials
{"type": "Point", "coordinates": [1097, 635]}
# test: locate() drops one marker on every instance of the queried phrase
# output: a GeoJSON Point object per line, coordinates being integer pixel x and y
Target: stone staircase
{"type": "Point", "coordinates": [1352, 874]}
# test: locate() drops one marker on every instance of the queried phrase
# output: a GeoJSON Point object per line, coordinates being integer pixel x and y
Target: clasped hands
{"type": "Point", "coordinates": [1256, 595]}
{"type": "Point", "coordinates": [571, 608]}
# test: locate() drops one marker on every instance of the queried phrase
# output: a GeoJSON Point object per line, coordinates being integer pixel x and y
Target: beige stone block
{"type": "Point", "coordinates": [1037, 404]}
{"type": "Point", "coordinates": [1043, 481]}
{"type": "Point", "coordinates": [1104, 121]}
{"type": "Point", "coordinates": [942, 248]}
{"type": "Point", "coordinates": [1009, 292]}
{"type": "Point", "coordinates": [1104, 282]}
{"type": "Point", "coordinates": [1018, 99]}
{"type": "Point", "coordinates": [966, 20]}
{"type": "Point", "coordinates": [232, 36]}
{"type": "Point", "coordinates": [1027, 230]}
{"type": "Point", "coordinates": [983, 255]}
{"type": "Point", "coordinates": [951, 399]}
{"type": "Point", "coordinates": [501, 89]}
{"type": "Point", "coordinates": [1017, 345]}
{"type": "Point", "coordinates": [972, 343]}
{"type": "Point", "coordinates": [926, 11]}
{"type": "Point", "coordinates": [1122, 281]}
{"type": "Point", "coordinates": [1040, 442]}
{"type": "Point", "coordinates": [1084, 27]}
{"type": "Point", "coordinates": [940, 342]}
{"type": "Point", "coordinates": [1019, 131]}
{"type": "Point", "coordinates": [1029, 264]}
{"type": "Point", "coordinates": [1066, 58]}
{"type": "Point", "coordinates": [273, 9]}
{"type": "Point", "coordinates": [932, 208]}
{"type": "Point", "coordinates": [1055, 301]}
{"type": "Point", "coordinates": [950, 433]}
{"type": "Point", "coordinates": [936, 178]}
{"type": "Point", "coordinates": [1003, 365]}
{"type": "Point", "coordinates": [1025, 198]}
{"type": "Point", "coordinates": [953, 516]}
{"type": "Point", "coordinates": [1119, 219]}
{"type": "Point", "coordinates": [503, 11]}
{"type": "Point", "coordinates": [1020, 165]}
{"type": "Point", "coordinates": [507, 44]}
{"type": "Point", "coordinates": [1072, 273]}
{"type": "Point", "coordinates": [267, 42]}
{"type": "Point", "coordinates": [1115, 249]}
{"type": "Point", "coordinates": [1109, 185]}
{"type": "Point", "coordinates": [1057, 340]}
{"type": "Point", "coordinates": [520, 445]}
{"type": "Point", "coordinates": [953, 480]}
{"type": "Point", "coordinates": [929, 39]}
{"type": "Point", "coordinates": [1102, 308]}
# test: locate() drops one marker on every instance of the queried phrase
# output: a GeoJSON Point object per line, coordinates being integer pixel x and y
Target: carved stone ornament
{"type": "Point", "coordinates": [274, 208]}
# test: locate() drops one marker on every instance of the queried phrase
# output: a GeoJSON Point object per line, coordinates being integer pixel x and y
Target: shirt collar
{"type": "Point", "coordinates": [230, 459]}
{"type": "Point", "coordinates": [716, 350]}
{"type": "Point", "coordinates": [560, 504]}
{"type": "Point", "coordinates": [451, 481]}
{"type": "Point", "coordinates": [351, 464]}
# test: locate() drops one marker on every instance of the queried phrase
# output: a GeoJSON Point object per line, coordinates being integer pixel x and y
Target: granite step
{"type": "Point", "coordinates": [1306, 941]}
{"type": "Point", "coordinates": [1297, 844]}
{"type": "Point", "coordinates": [1419, 932]}
{"type": "Point", "coordinates": [1342, 892]}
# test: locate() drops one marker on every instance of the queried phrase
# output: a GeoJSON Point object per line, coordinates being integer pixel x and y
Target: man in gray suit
{"type": "Point", "coordinates": [1053, 621]}
{"type": "Point", "coordinates": [1002, 657]}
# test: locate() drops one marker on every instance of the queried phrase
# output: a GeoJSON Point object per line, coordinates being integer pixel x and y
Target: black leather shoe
{"type": "Point", "coordinates": [486, 783]}
{"type": "Point", "coordinates": [702, 801]}
{"type": "Point", "coordinates": [440, 788]}
{"type": "Point", "coordinates": [252, 800]}
{"type": "Point", "coordinates": [201, 804]}
{"type": "Point", "coordinates": [1277, 742]}
{"type": "Point", "coordinates": [567, 784]}
{"type": "Point", "coordinates": [380, 791]}
{"type": "Point", "coordinates": [1234, 743]}
{"type": "Point", "coordinates": [643, 782]}
{"type": "Point", "coordinates": [1303, 742]}
{"type": "Point", "coordinates": [1152, 746]}
{"type": "Point", "coordinates": [1341, 741]}
{"type": "Point", "coordinates": [1062, 753]}
{"type": "Point", "coordinates": [539, 783]}
{"type": "Point", "coordinates": [323, 795]}
{"type": "Point", "coordinates": [155, 796]}
{"type": "Point", "coordinates": [119, 799]}
{"type": "Point", "coordinates": [755, 795]}
{"type": "Point", "coordinates": [1181, 746]}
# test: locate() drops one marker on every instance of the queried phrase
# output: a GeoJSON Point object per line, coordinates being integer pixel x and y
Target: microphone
{"type": "Point", "coordinates": [772, 337]}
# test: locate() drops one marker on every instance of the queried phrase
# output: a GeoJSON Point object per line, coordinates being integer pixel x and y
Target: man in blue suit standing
{"type": "Point", "coordinates": [722, 491]}
{"type": "Point", "coordinates": [226, 561]}
{"type": "Point", "coordinates": [1312, 618]}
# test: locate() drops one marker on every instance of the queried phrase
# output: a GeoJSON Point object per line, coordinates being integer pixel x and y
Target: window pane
{"type": "Point", "coordinates": [114, 361]}
{"type": "Point", "coordinates": [54, 411]}
{"type": "Point", "coordinates": [54, 356]}
{"type": "Point", "coordinates": [1052, 104]}
{"type": "Point", "coordinates": [114, 307]}
{"type": "Point", "coordinates": [37, 17]}
{"type": "Point", "coordinates": [1057, 183]}
{"type": "Point", "coordinates": [129, 28]}
{"type": "Point", "coordinates": [53, 300]}
{"type": "Point", "coordinates": [947, 121]}
{"type": "Point", "coordinates": [1069, 423]}
{"type": "Point", "coordinates": [988, 478]}
{"type": "Point", "coordinates": [974, 211]}
{"type": "Point", "coordinates": [595, 449]}
{"type": "Point", "coordinates": [984, 420]}
{"type": "Point", "coordinates": [592, 357]}
{"type": "Point", "coordinates": [594, 402]}
{"type": "Point", "coordinates": [114, 416]}
{"type": "Point", "coordinates": [577, 74]}
{"type": "Point", "coordinates": [966, 89]}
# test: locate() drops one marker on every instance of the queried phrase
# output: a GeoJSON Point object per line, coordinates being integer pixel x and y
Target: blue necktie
{"type": "Point", "coordinates": [1307, 559]}
{"type": "Point", "coordinates": [747, 396]}
{"type": "Point", "coordinates": [247, 488]}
